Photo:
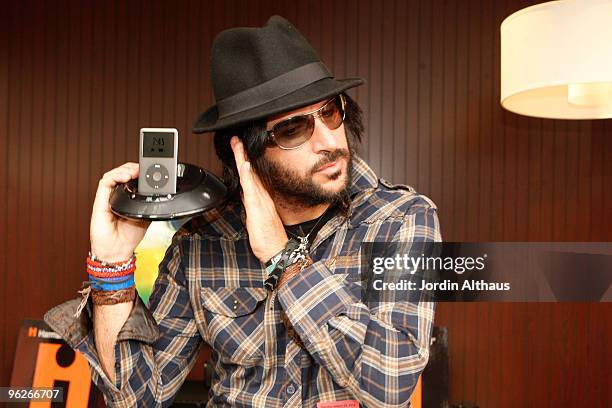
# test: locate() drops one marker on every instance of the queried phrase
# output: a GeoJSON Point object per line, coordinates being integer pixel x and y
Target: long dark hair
{"type": "Point", "coordinates": [256, 140]}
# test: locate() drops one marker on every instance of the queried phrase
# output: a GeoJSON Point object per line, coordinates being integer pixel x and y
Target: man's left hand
{"type": "Point", "coordinates": [267, 234]}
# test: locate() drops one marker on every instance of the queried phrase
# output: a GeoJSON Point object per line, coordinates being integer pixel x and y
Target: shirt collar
{"type": "Point", "coordinates": [364, 177]}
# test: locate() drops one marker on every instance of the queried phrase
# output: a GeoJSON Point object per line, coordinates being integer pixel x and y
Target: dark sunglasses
{"type": "Point", "coordinates": [293, 132]}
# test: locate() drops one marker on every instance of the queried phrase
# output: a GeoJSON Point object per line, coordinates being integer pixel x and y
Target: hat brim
{"type": "Point", "coordinates": [209, 120]}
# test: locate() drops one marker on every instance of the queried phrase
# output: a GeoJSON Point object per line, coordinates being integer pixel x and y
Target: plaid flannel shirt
{"type": "Point", "coordinates": [210, 288]}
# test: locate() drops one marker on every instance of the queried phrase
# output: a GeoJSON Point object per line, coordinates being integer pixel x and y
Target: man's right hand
{"type": "Point", "coordinates": [113, 238]}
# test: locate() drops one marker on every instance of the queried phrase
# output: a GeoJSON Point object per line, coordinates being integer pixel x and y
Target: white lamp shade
{"type": "Point", "coordinates": [556, 60]}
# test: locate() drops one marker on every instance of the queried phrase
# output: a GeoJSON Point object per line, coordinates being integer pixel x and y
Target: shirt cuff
{"type": "Point", "coordinates": [311, 298]}
{"type": "Point", "coordinates": [140, 324]}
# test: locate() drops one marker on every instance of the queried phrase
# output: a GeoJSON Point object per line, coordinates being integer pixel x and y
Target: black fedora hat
{"type": "Point", "coordinates": [259, 72]}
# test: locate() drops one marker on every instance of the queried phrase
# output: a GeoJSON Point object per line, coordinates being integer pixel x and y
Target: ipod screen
{"type": "Point", "coordinates": [158, 144]}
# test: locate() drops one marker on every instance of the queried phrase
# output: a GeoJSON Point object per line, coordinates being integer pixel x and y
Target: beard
{"type": "Point", "coordinates": [301, 191]}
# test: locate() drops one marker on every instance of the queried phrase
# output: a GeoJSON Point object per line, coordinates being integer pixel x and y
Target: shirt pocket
{"type": "Point", "coordinates": [234, 317]}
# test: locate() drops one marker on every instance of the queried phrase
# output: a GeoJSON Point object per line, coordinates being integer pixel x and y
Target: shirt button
{"type": "Point", "coordinates": [290, 389]}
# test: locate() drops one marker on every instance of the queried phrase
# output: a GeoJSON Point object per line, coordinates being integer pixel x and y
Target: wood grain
{"type": "Point", "coordinates": [79, 78]}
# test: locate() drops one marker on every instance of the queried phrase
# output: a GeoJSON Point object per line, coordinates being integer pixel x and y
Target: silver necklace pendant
{"type": "Point", "coordinates": [299, 253]}
{"type": "Point", "coordinates": [303, 247]}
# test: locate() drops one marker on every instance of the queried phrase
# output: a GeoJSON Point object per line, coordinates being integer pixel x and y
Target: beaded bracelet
{"type": "Point", "coordinates": [107, 272]}
{"type": "Point", "coordinates": [94, 259]}
{"type": "Point", "coordinates": [99, 266]}
{"type": "Point", "coordinates": [127, 272]}
{"type": "Point", "coordinates": [117, 268]}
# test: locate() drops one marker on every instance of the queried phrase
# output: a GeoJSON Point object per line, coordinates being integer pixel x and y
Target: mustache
{"type": "Point", "coordinates": [330, 157]}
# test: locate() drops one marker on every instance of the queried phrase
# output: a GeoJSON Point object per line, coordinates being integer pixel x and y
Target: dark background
{"type": "Point", "coordinates": [79, 78]}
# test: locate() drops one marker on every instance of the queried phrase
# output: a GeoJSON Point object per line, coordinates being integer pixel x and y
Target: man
{"type": "Point", "coordinates": [271, 279]}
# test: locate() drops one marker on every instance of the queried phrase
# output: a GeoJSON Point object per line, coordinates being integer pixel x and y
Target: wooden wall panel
{"type": "Point", "coordinates": [79, 78]}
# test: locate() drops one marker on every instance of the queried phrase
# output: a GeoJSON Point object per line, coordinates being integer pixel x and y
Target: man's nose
{"type": "Point", "coordinates": [323, 138]}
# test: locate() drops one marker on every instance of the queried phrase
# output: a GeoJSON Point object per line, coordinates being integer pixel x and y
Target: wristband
{"type": "Point", "coordinates": [275, 271]}
{"type": "Point", "coordinates": [274, 260]}
{"type": "Point", "coordinates": [109, 284]}
{"type": "Point", "coordinates": [113, 297]}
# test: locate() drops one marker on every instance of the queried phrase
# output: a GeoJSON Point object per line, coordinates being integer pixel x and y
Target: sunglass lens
{"type": "Point", "coordinates": [294, 132]}
{"type": "Point", "coordinates": [332, 114]}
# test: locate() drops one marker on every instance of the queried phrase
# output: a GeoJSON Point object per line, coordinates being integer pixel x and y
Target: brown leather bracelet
{"type": "Point", "coordinates": [113, 297]}
{"type": "Point", "coordinates": [293, 270]}
{"type": "Point", "coordinates": [289, 272]}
